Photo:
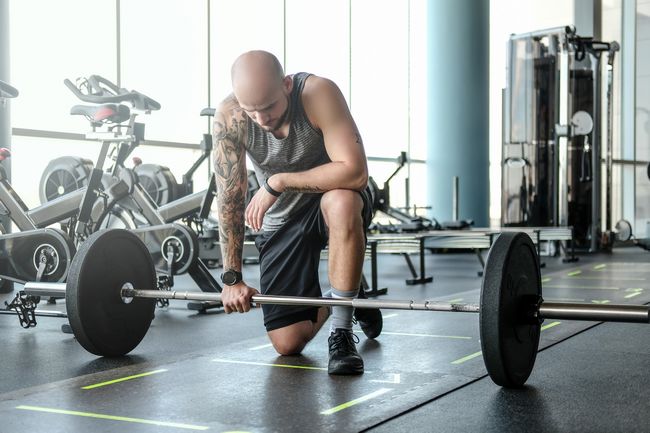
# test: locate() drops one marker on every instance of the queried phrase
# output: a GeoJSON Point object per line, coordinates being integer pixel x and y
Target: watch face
{"type": "Point", "coordinates": [229, 277]}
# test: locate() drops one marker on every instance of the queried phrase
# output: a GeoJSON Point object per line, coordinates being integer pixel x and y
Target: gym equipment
{"type": "Point", "coordinates": [44, 254]}
{"type": "Point", "coordinates": [553, 125]}
{"type": "Point", "coordinates": [125, 190]}
{"type": "Point", "coordinates": [159, 181]}
{"type": "Point", "coordinates": [123, 138]}
{"type": "Point", "coordinates": [381, 203]}
{"type": "Point", "coordinates": [110, 304]}
{"type": "Point", "coordinates": [64, 175]}
{"type": "Point", "coordinates": [35, 253]}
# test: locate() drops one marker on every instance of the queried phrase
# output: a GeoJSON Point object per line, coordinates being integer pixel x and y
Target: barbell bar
{"type": "Point", "coordinates": [110, 311]}
{"type": "Point", "coordinates": [547, 310]}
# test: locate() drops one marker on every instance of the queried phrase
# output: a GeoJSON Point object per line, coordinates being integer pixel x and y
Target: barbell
{"type": "Point", "coordinates": [110, 312]}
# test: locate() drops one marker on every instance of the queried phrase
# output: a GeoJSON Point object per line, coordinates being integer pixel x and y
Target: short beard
{"type": "Point", "coordinates": [284, 116]}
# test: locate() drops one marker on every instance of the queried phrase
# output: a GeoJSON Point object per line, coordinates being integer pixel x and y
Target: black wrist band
{"type": "Point", "coordinates": [271, 190]}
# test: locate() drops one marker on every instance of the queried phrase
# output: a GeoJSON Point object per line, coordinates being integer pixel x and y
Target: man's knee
{"type": "Point", "coordinates": [341, 206]}
{"type": "Point", "coordinates": [292, 339]}
{"type": "Point", "coordinates": [289, 347]}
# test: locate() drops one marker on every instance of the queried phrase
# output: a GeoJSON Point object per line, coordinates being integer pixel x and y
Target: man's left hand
{"type": "Point", "coordinates": [257, 208]}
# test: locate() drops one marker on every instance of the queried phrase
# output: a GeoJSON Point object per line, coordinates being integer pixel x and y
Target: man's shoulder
{"type": "Point", "coordinates": [316, 86]}
{"type": "Point", "coordinates": [229, 104]}
{"type": "Point", "coordinates": [229, 116]}
{"type": "Point", "coordinates": [229, 108]}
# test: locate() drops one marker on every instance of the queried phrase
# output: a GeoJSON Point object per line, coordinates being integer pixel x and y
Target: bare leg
{"type": "Point", "coordinates": [292, 339]}
{"type": "Point", "coordinates": [342, 212]}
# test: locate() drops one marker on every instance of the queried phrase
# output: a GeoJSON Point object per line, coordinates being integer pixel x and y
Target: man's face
{"type": "Point", "coordinates": [266, 105]}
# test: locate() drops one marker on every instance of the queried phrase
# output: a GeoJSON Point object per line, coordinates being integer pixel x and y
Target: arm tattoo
{"type": "Point", "coordinates": [231, 179]}
{"type": "Point", "coordinates": [304, 188]}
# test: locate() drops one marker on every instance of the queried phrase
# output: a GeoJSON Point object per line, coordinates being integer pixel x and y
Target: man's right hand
{"type": "Point", "coordinates": [237, 298]}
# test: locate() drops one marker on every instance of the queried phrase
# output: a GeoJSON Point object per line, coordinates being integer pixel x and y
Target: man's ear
{"type": "Point", "coordinates": [287, 81]}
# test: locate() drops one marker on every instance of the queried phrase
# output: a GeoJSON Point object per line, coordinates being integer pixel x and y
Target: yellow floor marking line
{"type": "Point", "coordinates": [301, 367]}
{"type": "Point", "coordinates": [625, 271]}
{"type": "Point", "coordinates": [351, 403]}
{"type": "Point", "coordinates": [546, 279]}
{"type": "Point", "coordinates": [560, 286]}
{"type": "Point", "coordinates": [601, 266]}
{"type": "Point", "coordinates": [112, 417]}
{"type": "Point", "coordinates": [467, 358]}
{"type": "Point", "coordinates": [600, 301]}
{"type": "Point", "coordinates": [632, 295]}
{"type": "Point", "coordinates": [122, 379]}
{"type": "Point", "coordinates": [479, 353]}
{"type": "Point", "coordinates": [564, 300]}
{"type": "Point", "coordinates": [574, 273]}
{"type": "Point", "coordinates": [263, 346]}
{"type": "Point", "coordinates": [406, 334]}
{"type": "Point", "coordinates": [601, 278]}
{"type": "Point", "coordinates": [550, 325]}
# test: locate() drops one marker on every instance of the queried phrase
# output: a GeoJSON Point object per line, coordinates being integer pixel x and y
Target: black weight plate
{"type": "Point", "coordinates": [100, 320]}
{"type": "Point", "coordinates": [511, 280]}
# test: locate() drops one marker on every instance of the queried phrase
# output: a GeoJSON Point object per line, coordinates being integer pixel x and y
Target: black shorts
{"type": "Point", "coordinates": [289, 259]}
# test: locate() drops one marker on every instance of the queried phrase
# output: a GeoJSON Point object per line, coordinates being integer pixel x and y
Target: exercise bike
{"type": "Point", "coordinates": [42, 254]}
{"type": "Point", "coordinates": [160, 183]}
{"type": "Point", "coordinates": [193, 209]}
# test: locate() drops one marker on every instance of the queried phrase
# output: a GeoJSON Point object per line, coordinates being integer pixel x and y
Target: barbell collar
{"type": "Point", "coordinates": [595, 312]}
{"type": "Point", "coordinates": [44, 289]}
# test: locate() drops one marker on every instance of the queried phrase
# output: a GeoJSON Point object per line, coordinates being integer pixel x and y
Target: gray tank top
{"type": "Point", "coordinates": [302, 149]}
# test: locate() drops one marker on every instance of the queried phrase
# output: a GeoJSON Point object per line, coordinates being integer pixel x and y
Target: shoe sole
{"type": "Point", "coordinates": [373, 330]}
{"type": "Point", "coordinates": [346, 372]}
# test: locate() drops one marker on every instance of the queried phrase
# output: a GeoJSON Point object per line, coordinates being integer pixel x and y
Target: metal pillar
{"type": "Point", "coordinates": [458, 111]}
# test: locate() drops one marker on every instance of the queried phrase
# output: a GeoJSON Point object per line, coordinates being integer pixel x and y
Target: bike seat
{"type": "Point", "coordinates": [208, 111]}
{"type": "Point", "coordinates": [104, 113]}
{"type": "Point", "coordinates": [7, 91]}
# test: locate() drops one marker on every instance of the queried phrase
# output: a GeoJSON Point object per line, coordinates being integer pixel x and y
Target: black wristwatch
{"type": "Point", "coordinates": [231, 277]}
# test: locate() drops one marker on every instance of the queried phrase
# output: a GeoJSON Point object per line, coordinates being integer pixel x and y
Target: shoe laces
{"type": "Point", "coordinates": [343, 339]}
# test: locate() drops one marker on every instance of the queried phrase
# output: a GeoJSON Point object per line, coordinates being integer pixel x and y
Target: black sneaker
{"type": "Point", "coordinates": [344, 358]}
{"type": "Point", "coordinates": [369, 319]}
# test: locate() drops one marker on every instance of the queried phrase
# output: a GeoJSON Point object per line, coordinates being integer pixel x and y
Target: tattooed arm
{"type": "Point", "coordinates": [327, 110]}
{"type": "Point", "coordinates": [231, 179]}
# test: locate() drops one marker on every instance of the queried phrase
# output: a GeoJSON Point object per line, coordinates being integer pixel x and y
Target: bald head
{"type": "Point", "coordinates": [256, 66]}
{"type": "Point", "coordinates": [261, 88]}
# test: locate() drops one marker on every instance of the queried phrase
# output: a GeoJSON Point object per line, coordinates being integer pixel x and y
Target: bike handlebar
{"type": "Point", "coordinates": [98, 90]}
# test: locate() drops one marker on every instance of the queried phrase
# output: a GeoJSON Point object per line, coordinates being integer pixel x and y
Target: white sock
{"type": "Point", "coordinates": [341, 317]}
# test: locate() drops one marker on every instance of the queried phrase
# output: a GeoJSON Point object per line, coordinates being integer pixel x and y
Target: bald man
{"type": "Point", "coordinates": [308, 155]}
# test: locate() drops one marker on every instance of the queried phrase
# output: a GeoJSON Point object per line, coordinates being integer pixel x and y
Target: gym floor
{"type": "Point", "coordinates": [218, 373]}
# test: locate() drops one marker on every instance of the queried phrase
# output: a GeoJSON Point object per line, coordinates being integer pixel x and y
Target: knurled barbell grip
{"type": "Point", "coordinates": [297, 300]}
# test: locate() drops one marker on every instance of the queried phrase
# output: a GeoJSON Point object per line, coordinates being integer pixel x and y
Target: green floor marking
{"type": "Point", "coordinates": [122, 379]}
{"type": "Point", "coordinates": [112, 417]}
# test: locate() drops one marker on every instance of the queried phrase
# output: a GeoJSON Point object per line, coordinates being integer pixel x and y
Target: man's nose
{"type": "Point", "coordinates": [262, 118]}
